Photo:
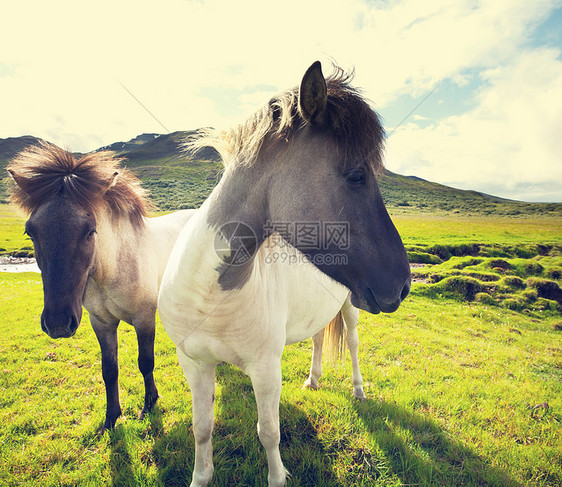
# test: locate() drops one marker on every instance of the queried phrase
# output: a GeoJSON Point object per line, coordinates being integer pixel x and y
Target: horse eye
{"type": "Point", "coordinates": [91, 233]}
{"type": "Point", "coordinates": [356, 176]}
{"type": "Point", "coordinates": [26, 232]}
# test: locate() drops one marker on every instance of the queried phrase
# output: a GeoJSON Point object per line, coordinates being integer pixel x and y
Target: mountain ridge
{"type": "Point", "coordinates": [180, 180]}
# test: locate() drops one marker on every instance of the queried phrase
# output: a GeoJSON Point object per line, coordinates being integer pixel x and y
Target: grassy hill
{"type": "Point", "coordinates": [12, 145]}
{"type": "Point", "coordinates": [412, 194]}
{"type": "Point", "coordinates": [178, 181]}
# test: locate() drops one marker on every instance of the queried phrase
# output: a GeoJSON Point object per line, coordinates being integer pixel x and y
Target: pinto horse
{"type": "Point", "coordinates": [95, 248]}
{"type": "Point", "coordinates": [309, 159]}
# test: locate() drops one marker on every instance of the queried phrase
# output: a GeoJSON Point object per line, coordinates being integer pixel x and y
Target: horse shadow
{"type": "Point", "coordinates": [429, 456]}
{"type": "Point", "coordinates": [238, 456]}
{"type": "Point", "coordinates": [410, 447]}
{"type": "Point", "coordinates": [120, 462]}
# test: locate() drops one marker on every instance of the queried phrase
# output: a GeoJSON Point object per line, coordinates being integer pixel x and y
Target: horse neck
{"type": "Point", "coordinates": [161, 234]}
{"type": "Point", "coordinates": [240, 201]}
{"type": "Point", "coordinates": [240, 197]}
{"type": "Point", "coordinates": [118, 245]}
{"type": "Point", "coordinates": [195, 251]}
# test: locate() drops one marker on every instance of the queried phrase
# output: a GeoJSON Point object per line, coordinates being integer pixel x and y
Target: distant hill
{"type": "Point", "coordinates": [12, 145]}
{"type": "Point", "coordinates": [148, 148]}
{"type": "Point", "coordinates": [177, 180]}
{"type": "Point", "coordinates": [410, 193]}
{"type": "Point", "coordinates": [132, 145]}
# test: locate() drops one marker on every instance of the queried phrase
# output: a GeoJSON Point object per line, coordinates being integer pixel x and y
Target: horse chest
{"type": "Point", "coordinates": [109, 304]}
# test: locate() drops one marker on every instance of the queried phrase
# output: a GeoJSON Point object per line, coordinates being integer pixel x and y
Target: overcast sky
{"type": "Point", "coordinates": [70, 72]}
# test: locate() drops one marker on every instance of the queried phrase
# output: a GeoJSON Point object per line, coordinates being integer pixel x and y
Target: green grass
{"type": "Point", "coordinates": [451, 383]}
{"type": "Point", "coordinates": [511, 262]}
{"type": "Point", "coordinates": [451, 386]}
{"type": "Point", "coordinates": [12, 238]}
{"type": "Point", "coordinates": [421, 232]}
{"type": "Point", "coordinates": [427, 230]}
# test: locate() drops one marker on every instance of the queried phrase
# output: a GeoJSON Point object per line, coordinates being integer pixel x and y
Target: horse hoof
{"type": "Point", "coordinates": [105, 429]}
{"type": "Point", "coordinates": [309, 385]}
{"type": "Point", "coordinates": [110, 420]}
{"type": "Point", "coordinates": [359, 395]}
{"type": "Point", "coordinates": [148, 407]}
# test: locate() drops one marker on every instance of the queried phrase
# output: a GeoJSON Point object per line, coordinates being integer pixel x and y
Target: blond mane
{"type": "Point", "coordinates": [351, 121]}
{"type": "Point", "coordinates": [95, 181]}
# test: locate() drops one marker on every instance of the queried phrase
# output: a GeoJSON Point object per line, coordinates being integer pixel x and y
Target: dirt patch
{"type": "Point", "coordinates": [415, 278]}
{"type": "Point", "coordinates": [546, 289]}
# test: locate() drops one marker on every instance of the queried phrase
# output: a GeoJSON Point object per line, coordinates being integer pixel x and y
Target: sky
{"type": "Point", "coordinates": [470, 92]}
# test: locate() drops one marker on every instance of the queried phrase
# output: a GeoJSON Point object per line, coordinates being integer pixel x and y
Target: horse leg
{"type": "Point", "coordinates": [266, 381]}
{"type": "Point", "coordinates": [316, 365]}
{"type": "Point", "coordinates": [107, 338]}
{"type": "Point", "coordinates": [145, 339]}
{"type": "Point", "coordinates": [351, 317]}
{"type": "Point", "coordinates": [201, 379]}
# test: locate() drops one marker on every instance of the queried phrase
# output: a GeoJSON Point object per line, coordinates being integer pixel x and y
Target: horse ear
{"type": "Point", "coordinates": [112, 182]}
{"type": "Point", "coordinates": [313, 95]}
{"type": "Point", "coordinates": [19, 180]}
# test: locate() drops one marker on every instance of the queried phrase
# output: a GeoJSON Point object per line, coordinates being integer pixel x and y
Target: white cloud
{"type": "Point", "coordinates": [411, 46]}
{"type": "Point", "coordinates": [509, 144]}
{"type": "Point", "coordinates": [63, 62]}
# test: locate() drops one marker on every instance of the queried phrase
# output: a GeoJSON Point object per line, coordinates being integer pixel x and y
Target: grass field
{"type": "Point", "coordinates": [451, 388]}
{"type": "Point", "coordinates": [415, 228]}
{"type": "Point", "coordinates": [12, 238]}
{"type": "Point", "coordinates": [429, 229]}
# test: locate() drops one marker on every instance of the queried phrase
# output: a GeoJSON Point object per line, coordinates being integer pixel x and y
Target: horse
{"type": "Point", "coordinates": [95, 248]}
{"type": "Point", "coordinates": [53, 164]}
{"type": "Point", "coordinates": [295, 226]}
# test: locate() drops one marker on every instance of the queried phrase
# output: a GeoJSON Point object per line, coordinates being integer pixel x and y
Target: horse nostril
{"type": "Point", "coordinates": [57, 326]}
{"type": "Point", "coordinates": [405, 290]}
{"type": "Point", "coordinates": [44, 325]}
{"type": "Point", "coordinates": [73, 325]}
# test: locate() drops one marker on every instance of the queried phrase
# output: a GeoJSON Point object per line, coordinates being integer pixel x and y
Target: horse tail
{"type": "Point", "coordinates": [334, 337]}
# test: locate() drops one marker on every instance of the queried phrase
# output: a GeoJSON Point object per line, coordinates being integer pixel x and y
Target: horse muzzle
{"type": "Point", "coordinates": [366, 299]}
{"type": "Point", "coordinates": [59, 325]}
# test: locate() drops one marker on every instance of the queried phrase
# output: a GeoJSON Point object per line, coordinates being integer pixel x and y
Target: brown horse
{"type": "Point", "coordinates": [242, 281]}
{"type": "Point", "coordinates": [96, 248]}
